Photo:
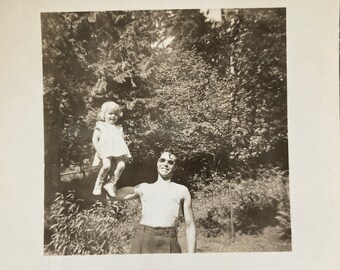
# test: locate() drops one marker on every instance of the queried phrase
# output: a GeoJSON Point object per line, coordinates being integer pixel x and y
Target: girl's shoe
{"type": "Point", "coordinates": [110, 189]}
{"type": "Point", "coordinates": [97, 188]}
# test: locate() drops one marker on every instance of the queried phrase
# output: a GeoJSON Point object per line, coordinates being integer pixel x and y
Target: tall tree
{"type": "Point", "coordinates": [248, 48]}
{"type": "Point", "coordinates": [88, 58]}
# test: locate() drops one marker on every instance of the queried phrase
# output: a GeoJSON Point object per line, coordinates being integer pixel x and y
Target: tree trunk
{"type": "Point", "coordinates": [52, 141]}
{"type": "Point", "coordinates": [232, 230]}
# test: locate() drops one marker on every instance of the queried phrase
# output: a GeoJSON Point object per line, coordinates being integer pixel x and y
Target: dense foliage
{"type": "Point", "coordinates": [97, 230]}
{"type": "Point", "coordinates": [257, 203]}
{"type": "Point", "coordinates": [217, 91]}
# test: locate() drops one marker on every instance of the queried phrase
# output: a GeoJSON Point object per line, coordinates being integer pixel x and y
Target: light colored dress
{"type": "Point", "coordinates": [111, 142]}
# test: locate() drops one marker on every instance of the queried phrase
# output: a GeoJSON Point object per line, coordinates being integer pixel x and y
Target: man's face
{"type": "Point", "coordinates": [166, 165]}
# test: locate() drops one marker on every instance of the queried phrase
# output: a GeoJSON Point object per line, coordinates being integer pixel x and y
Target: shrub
{"type": "Point", "coordinates": [97, 230]}
{"type": "Point", "coordinates": [283, 216]}
{"type": "Point", "coordinates": [210, 204]}
{"type": "Point", "coordinates": [256, 203]}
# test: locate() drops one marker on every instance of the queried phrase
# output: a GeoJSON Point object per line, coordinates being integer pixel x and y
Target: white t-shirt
{"type": "Point", "coordinates": [160, 203]}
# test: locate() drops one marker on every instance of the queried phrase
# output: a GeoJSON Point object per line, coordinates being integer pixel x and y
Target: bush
{"type": "Point", "coordinates": [97, 230]}
{"type": "Point", "coordinates": [283, 216]}
{"type": "Point", "coordinates": [256, 203]}
{"type": "Point", "coordinates": [210, 204]}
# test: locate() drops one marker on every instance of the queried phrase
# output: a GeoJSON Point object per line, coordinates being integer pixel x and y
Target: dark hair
{"type": "Point", "coordinates": [171, 152]}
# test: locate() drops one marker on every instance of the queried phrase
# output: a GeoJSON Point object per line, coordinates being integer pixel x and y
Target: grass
{"type": "Point", "coordinates": [267, 241]}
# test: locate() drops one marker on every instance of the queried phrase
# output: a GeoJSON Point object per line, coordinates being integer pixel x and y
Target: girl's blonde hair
{"type": "Point", "coordinates": [109, 105]}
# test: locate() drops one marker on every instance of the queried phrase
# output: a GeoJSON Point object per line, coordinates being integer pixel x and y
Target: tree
{"type": "Point", "coordinates": [217, 92]}
{"type": "Point", "coordinates": [88, 58]}
{"type": "Point", "coordinates": [248, 48]}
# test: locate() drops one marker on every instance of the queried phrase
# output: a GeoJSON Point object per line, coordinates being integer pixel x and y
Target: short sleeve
{"type": "Point", "coordinates": [120, 128]}
{"type": "Point", "coordinates": [98, 126]}
{"type": "Point", "coordinates": [140, 189]}
{"type": "Point", "coordinates": [182, 191]}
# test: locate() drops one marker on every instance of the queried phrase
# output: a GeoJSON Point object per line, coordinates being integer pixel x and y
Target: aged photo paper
{"type": "Point", "coordinates": [312, 34]}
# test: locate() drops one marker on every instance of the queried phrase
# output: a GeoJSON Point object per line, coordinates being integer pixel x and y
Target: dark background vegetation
{"type": "Point", "coordinates": [216, 94]}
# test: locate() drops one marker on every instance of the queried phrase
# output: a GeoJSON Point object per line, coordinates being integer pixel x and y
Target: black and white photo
{"type": "Point", "coordinates": [122, 86]}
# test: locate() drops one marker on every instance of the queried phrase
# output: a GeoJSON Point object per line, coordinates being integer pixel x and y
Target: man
{"type": "Point", "coordinates": [161, 203]}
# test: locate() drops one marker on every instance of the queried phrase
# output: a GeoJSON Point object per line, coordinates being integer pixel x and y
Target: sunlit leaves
{"type": "Point", "coordinates": [97, 230]}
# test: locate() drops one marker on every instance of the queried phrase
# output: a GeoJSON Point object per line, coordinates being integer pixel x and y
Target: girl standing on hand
{"type": "Point", "coordinates": [111, 148]}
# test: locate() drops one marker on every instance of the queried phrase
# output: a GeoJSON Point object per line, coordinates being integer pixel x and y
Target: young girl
{"type": "Point", "coordinates": [111, 149]}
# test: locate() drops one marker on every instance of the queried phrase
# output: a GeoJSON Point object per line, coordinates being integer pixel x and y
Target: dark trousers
{"type": "Point", "coordinates": [155, 240]}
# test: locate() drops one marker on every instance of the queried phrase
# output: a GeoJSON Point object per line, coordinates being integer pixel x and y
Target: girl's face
{"type": "Point", "coordinates": [111, 116]}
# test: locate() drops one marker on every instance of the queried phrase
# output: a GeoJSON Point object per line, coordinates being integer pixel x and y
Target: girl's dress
{"type": "Point", "coordinates": [111, 142]}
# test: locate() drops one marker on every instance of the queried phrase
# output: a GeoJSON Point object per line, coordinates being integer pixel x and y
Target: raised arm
{"type": "Point", "coordinates": [189, 222]}
{"type": "Point", "coordinates": [126, 193]}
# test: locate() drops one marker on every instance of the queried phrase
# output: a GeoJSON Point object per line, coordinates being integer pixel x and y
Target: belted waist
{"type": "Point", "coordinates": [156, 229]}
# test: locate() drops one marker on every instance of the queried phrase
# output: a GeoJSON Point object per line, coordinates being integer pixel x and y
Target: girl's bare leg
{"type": "Point", "coordinates": [117, 168]}
{"type": "Point", "coordinates": [102, 175]}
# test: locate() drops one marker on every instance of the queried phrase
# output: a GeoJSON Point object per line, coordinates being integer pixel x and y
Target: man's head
{"type": "Point", "coordinates": [166, 164]}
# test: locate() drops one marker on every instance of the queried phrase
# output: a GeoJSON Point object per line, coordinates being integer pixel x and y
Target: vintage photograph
{"type": "Point", "coordinates": [165, 131]}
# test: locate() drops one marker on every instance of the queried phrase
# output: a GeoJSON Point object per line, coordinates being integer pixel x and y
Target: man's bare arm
{"type": "Point", "coordinates": [189, 222]}
{"type": "Point", "coordinates": [126, 193]}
